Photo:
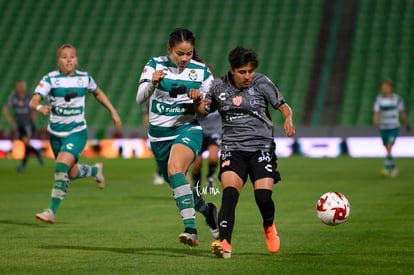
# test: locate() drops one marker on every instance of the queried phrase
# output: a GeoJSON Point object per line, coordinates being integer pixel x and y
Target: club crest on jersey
{"type": "Point", "coordinates": [80, 81]}
{"type": "Point", "coordinates": [192, 75]}
{"type": "Point", "coordinates": [237, 100]}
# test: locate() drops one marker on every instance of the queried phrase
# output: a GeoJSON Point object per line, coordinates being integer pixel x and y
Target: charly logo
{"type": "Point", "coordinates": [192, 75]}
{"type": "Point", "coordinates": [213, 190]}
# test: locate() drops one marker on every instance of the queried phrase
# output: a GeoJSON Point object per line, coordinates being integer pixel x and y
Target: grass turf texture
{"type": "Point", "coordinates": [131, 227]}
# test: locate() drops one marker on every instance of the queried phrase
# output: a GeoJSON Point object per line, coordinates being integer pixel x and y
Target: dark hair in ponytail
{"type": "Point", "coordinates": [184, 35]}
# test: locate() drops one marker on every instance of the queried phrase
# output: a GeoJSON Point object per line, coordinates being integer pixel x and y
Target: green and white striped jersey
{"type": "Point", "coordinates": [66, 96]}
{"type": "Point", "coordinates": [171, 112]}
{"type": "Point", "coordinates": [389, 109]}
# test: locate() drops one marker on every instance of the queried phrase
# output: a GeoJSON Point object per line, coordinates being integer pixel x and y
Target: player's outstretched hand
{"type": "Point", "coordinates": [289, 128]}
{"type": "Point", "coordinates": [117, 120]}
{"type": "Point", "coordinates": [195, 95]}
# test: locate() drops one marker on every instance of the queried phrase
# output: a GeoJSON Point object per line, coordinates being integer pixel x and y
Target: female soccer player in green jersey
{"type": "Point", "coordinates": [388, 108]}
{"type": "Point", "coordinates": [174, 131]}
{"type": "Point", "coordinates": [65, 90]}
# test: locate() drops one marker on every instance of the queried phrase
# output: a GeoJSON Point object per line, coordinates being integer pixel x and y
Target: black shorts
{"type": "Point", "coordinates": [26, 130]}
{"type": "Point", "coordinates": [256, 165]}
{"type": "Point", "coordinates": [210, 140]}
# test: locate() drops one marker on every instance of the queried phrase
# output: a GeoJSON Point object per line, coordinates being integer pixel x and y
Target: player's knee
{"type": "Point", "coordinates": [175, 167]}
{"type": "Point", "coordinates": [61, 167]}
{"type": "Point", "coordinates": [263, 196]}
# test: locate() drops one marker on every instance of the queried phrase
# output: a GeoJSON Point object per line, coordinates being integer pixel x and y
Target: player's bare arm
{"type": "Point", "coordinates": [287, 113]}
{"type": "Point", "coordinates": [8, 117]}
{"type": "Point", "coordinates": [103, 99]}
{"type": "Point", "coordinates": [198, 101]}
{"type": "Point", "coordinates": [375, 119]}
{"type": "Point", "coordinates": [35, 105]}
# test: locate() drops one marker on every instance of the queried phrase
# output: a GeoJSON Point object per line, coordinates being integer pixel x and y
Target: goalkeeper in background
{"type": "Point", "coordinates": [388, 108]}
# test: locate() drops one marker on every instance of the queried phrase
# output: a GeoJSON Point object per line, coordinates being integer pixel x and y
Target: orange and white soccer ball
{"type": "Point", "coordinates": [333, 208]}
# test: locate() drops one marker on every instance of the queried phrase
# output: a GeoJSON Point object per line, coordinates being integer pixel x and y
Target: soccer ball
{"type": "Point", "coordinates": [333, 208]}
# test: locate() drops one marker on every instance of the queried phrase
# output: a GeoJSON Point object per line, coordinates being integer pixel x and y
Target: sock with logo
{"type": "Point", "coordinates": [227, 213]}
{"type": "Point", "coordinates": [85, 170]}
{"type": "Point", "coordinates": [60, 186]}
{"type": "Point", "coordinates": [184, 199]}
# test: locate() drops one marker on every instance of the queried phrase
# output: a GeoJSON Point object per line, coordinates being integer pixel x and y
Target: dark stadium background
{"type": "Point", "coordinates": [327, 57]}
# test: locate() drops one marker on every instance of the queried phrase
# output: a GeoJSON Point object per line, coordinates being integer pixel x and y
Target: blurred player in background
{"type": "Point", "coordinates": [388, 108]}
{"type": "Point", "coordinates": [248, 149]}
{"type": "Point", "coordinates": [158, 179]}
{"type": "Point", "coordinates": [174, 131]}
{"type": "Point", "coordinates": [65, 90]}
{"type": "Point", "coordinates": [211, 125]}
{"type": "Point", "coordinates": [18, 101]}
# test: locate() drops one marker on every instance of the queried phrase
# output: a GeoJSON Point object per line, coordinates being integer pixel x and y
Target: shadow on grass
{"type": "Point", "coordinates": [148, 251]}
{"type": "Point", "coordinates": [151, 198]}
{"type": "Point", "coordinates": [29, 224]}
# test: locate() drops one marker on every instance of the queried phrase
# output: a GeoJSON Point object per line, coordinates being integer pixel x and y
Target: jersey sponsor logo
{"type": "Point", "coordinates": [56, 82]}
{"type": "Point", "coordinates": [254, 102]}
{"type": "Point", "coordinates": [192, 75]}
{"type": "Point", "coordinates": [237, 100]}
{"type": "Point", "coordinates": [170, 110]}
{"type": "Point", "coordinates": [40, 85]}
{"type": "Point", "coordinates": [264, 157]}
{"type": "Point", "coordinates": [177, 90]}
{"type": "Point", "coordinates": [67, 111]}
{"type": "Point", "coordinates": [225, 163]}
{"type": "Point", "coordinates": [230, 118]}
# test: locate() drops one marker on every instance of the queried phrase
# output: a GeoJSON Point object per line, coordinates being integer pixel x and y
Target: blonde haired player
{"type": "Point", "coordinates": [65, 90]}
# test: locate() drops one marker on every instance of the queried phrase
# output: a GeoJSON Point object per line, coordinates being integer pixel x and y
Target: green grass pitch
{"type": "Point", "coordinates": [131, 227]}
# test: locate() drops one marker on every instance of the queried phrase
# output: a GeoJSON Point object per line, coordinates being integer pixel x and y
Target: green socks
{"type": "Point", "coordinates": [86, 171]}
{"type": "Point", "coordinates": [184, 199]}
{"type": "Point", "coordinates": [60, 186]}
{"type": "Point", "coordinates": [389, 163]}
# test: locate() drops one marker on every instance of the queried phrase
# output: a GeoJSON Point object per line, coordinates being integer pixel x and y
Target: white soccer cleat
{"type": "Point", "coordinates": [188, 239]}
{"type": "Point", "coordinates": [158, 179]}
{"type": "Point", "coordinates": [99, 178]}
{"type": "Point", "coordinates": [46, 216]}
{"type": "Point", "coordinates": [394, 172]}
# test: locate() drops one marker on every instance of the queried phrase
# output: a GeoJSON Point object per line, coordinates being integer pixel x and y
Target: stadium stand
{"type": "Point", "coordinates": [382, 48]}
{"type": "Point", "coordinates": [116, 38]}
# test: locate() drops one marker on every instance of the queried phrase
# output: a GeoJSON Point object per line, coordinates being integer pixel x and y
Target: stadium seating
{"type": "Point", "coordinates": [116, 38]}
{"type": "Point", "coordinates": [382, 48]}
